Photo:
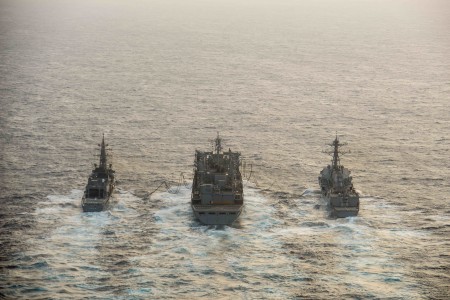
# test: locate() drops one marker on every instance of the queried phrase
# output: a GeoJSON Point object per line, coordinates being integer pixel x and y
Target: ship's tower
{"type": "Point", "coordinates": [103, 154]}
{"type": "Point", "coordinates": [218, 144]}
{"type": "Point", "coordinates": [336, 161]}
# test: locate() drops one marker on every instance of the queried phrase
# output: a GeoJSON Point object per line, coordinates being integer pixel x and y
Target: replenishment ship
{"type": "Point", "coordinates": [337, 187]}
{"type": "Point", "coordinates": [217, 191]}
{"type": "Point", "coordinates": [100, 184]}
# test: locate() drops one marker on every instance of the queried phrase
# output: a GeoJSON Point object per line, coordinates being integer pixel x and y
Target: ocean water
{"type": "Point", "coordinates": [278, 80]}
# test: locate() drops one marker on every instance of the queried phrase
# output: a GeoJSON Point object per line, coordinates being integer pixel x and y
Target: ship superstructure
{"type": "Point", "coordinates": [100, 184]}
{"type": "Point", "coordinates": [337, 187]}
{"type": "Point", "coordinates": [217, 191]}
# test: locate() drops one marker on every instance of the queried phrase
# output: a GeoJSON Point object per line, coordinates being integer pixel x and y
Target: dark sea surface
{"type": "Point", "coordinates": [278, 79]}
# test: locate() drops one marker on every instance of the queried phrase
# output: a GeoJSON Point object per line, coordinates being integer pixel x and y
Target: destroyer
{"type": "Point", "coordinates": [337, 187]}
{"type": "Point", "coordinates": [217, 190]}
{"type": "Point", "coordinates": [100, 184]}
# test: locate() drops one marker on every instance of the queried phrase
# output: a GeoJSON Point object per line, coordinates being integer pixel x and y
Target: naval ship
{"type": "Point", "coordinates": [100, 184]}
{"type": "Point", "coordinates": [337, 187]}
{"type": "Point", "coordinates": [217, 191]}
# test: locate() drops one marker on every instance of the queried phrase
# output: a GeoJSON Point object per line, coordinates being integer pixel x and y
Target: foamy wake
{"type": "Point", "coordinates": [156, 248]}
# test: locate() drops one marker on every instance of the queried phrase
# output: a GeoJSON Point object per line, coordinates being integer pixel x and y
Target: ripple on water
{"type": "Point", "coordinates": [88, 251]}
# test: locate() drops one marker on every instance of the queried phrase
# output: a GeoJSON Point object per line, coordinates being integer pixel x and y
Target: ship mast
{"type": "Point", "coordinates": [218, 144]}
{"type": "Point", "coordinates": [336, 162]}
{"type": "Point", "coordinates": [103, 154]}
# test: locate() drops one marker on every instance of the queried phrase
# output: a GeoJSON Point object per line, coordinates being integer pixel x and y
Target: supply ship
{"type": "Point", "coordinates": [100, 184]}
{"type": "Point", "coordinates": [337, 187]}
{"type": "Point", "coordinates": [217, 191]}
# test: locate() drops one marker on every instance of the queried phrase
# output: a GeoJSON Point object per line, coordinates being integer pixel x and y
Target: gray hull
{"type": "Point", "coordinates": [91, 205]}
{"type": "Point", "coordinates": [344, 212]}
{"type": "Point", "coordinates": [342, 207]}
{"type": "Point", "coordinates": [98, 204]}
{"type": "Point", "coordinates": [217, 214]}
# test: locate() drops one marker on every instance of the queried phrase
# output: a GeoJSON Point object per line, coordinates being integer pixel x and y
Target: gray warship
{"type": "Point", "coordinates": [100, 184]}
{"type": "Point", "coordinates": [337, 187]}
{"type": "Point", "coordinates": [217, 191]}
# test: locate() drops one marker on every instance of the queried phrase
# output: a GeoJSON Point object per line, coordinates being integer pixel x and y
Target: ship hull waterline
{"type": "Point", "coordinates": [338, 211]}
{"type": "Point", "coordinates": [98, 204]}
{"type": "Point", "coordinates": [95, 206]}
{"type": "Point", "coordinates": [343, 212]}
{"type": "Point", "coordinates": [217, 215]}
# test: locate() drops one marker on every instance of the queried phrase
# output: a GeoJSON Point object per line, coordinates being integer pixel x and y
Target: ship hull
{"type": "Point", "coordinates": [96, 205]}
{"type": "Point", "coordinates": [340, 207]}
{"type": "Point", "coordinates": [343, 212]}
{"type": "Point", "coordinates": [217, 214]}
{"type": "Point", "coordinates": [90, 205]}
